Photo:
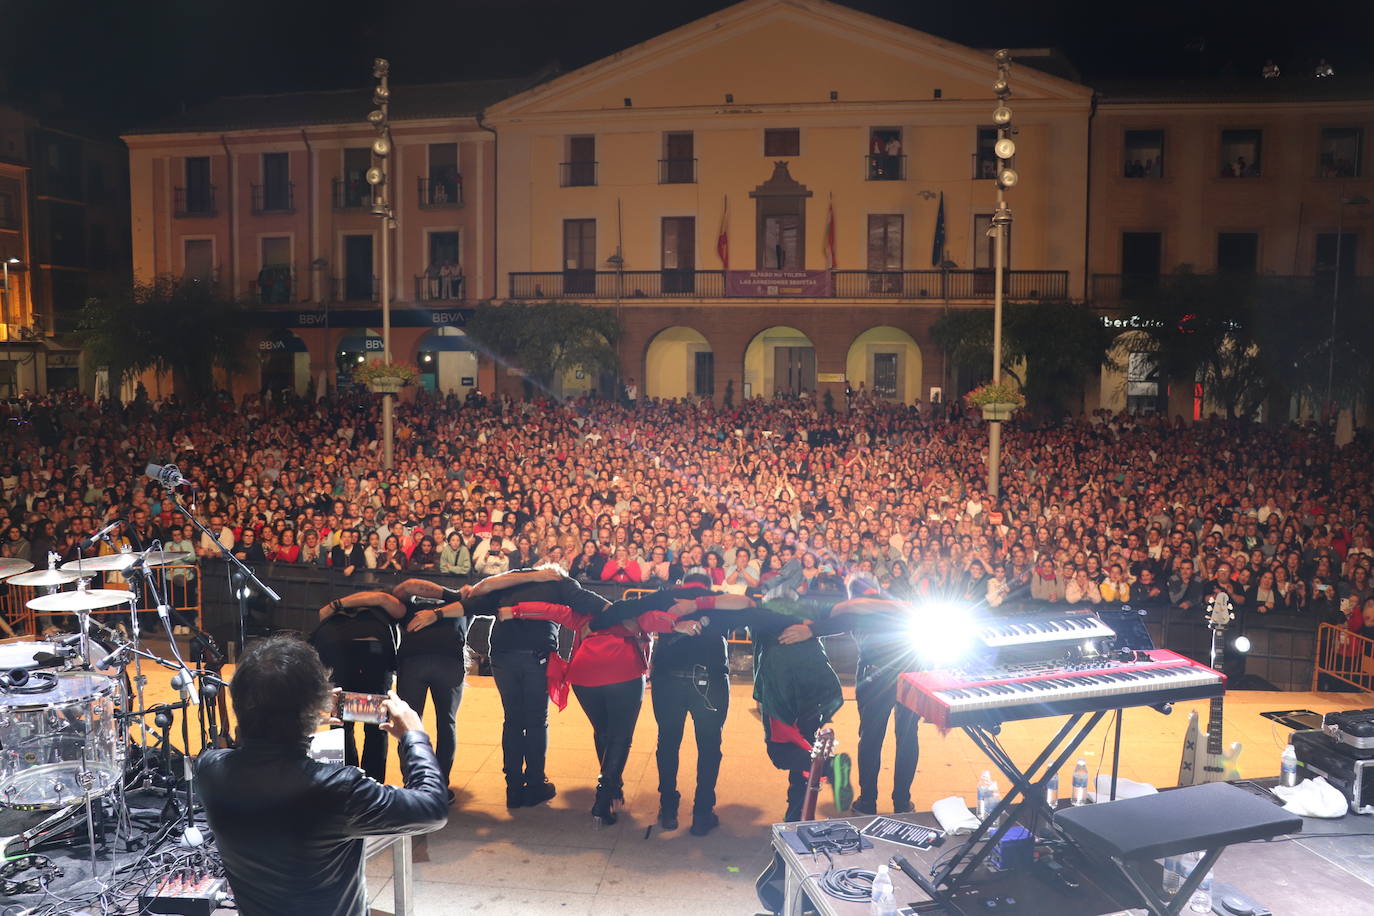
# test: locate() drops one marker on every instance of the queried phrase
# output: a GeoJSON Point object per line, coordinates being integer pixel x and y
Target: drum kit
{"type": "Point", "coordinates": [68, 709]}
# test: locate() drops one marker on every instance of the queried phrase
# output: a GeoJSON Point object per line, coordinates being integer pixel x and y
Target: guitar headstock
{"type": "Point", "coordinates": [1219, 612]}
{"type": "Point", "coordinates": [824, 746]}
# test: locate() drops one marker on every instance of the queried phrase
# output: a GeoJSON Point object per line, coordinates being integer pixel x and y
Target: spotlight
{"type": "Point", "coordinates": [376, 116]}
{"type": "Point", "coordinates": [1001, 115]}
{"type": "Point", "coordinates": [1241, 644]}
{"type": "Point", "coordinates": [944, 633]}
{"type": "Point", "coordinates": [1002, 56]}
{"type": "Point", "coordinates": [1007, 178]}
{"type": "Point", "coordinates": [1004, 148]}
{"type": "Point", "coordinates": [360, 359]}
{"type": "Point", "coordinates": [375, 176]}
{"type": "Point", "coordinates": [381, 147]}
{"type": "Point", "coordinates": [428, 358]}
{"type": "Point", "coordinates": [1001, 87]}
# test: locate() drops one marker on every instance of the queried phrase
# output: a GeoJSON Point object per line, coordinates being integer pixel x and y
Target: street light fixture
{"type": "Point", "coordinates": [7, 262]}
{"type": "Point", "coordinates": [1007, 177]}
{"type": "Point", "coordinates": [382, 147]}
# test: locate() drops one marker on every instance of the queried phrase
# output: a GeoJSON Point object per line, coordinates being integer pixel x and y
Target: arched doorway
{"type": "Point", "coordinates": [447, 359]}
{"type": "Point", "coordinates": [285, 362]}
{"type": "Point", "coordinates": [886, 363]}
{"type": "Point", "coordinates": [779, 361]}
{"type": "Point", "coordinates": [357, 345]}
{"type": "Point", "coordinates": [679, 363]}
{"type": "Point", "coordinates": [1134, 384]}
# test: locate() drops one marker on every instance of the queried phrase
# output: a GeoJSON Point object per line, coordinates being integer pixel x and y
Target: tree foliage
{"type": "Point", "coordinates": [546, 339]}
{"type": "Point", "coordinates": [172, 325]}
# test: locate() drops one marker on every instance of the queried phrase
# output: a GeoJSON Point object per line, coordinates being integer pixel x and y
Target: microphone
{"type": "Point", "coordinates": [417, 601]}
{"type": "Point", "coordinates": [184, 681]}
{"type": "Point", "coordinates": [114, 658]}
{"type": "Point", "coordinates": [169, 475]}
{"type": "Point", "coordinates": [102, 533]}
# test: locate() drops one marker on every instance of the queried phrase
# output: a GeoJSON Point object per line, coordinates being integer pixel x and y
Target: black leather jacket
{"type": "Point", "coordinates": [290, 829]}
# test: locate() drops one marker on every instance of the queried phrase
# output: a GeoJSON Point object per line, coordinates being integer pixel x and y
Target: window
{"type": "Point", "coordinates": [580, 169]}
{"type": "Point", "coordinates": [885, 375]}
{"type": "Point", "coordinates": [1240, 153]}
{"type": "Point", "coordinates": [359, 283]}
{"type": "Point", "coordinates": [276, 182]}
{"type": "Point", "coordinates": [444, 278]}
{"type": "Point", "coordinates": [781, 245]}
{"type": "Point", "coordinates": [352, 192]}
{"type": "Point", "coordinates": [885, 159]}
{"type": "Point", "coordinates": [444, 186]}
{"type": "Point", "coordinates": [1143, 154]}
{"type": "Point", "coordinates": [679, 164]}
{"type": "Point", "coordinates": [1340, 152]}
{"type": "Point", "coordinates": [782, 141]}
{"type": "Point", "coordinates": [679, 254]}
{"type": "Point", "coordinates": [1238, 252]}
{"type": "Point", "coordinates": [704, 373]}
{"type": "Point", "coordinates": [198, 257]}
{"type": "Point", "coordinates": [1142, 383]}
{"type": "Point", "coordinates": [1140, 261]}
{"type": "Point", "coordinates": [885, 252]}
{"type": "Point", "coordinates": [579, 256]}
{"type": "Point", "coordinates": [984, 159]}
{"type": "Point", "coordinates": [274, 276]}
{"type": "Point", "coordinates": [198, 197]}
{"type": "Point", "coordinates": [9, 217]}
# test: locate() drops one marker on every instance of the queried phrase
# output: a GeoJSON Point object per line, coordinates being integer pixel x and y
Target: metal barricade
{"type": "Point", "coordinates": [183, 594]}
{"type": "Point", "coordinates": [1344, 656]}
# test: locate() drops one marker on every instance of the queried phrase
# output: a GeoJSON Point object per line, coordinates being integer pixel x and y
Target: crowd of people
{"type": "Point", "coordinates": [761, 497]}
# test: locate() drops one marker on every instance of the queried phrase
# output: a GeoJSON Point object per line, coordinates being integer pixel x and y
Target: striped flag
{"type": "Point", "coordinates": [937, 250]}
{"type": "Point", "coordinates": [723, 239]}
{"type": "Point", "coordinates": [830, 261]}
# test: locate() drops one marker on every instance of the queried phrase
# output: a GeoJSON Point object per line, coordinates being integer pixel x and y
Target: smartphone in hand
{"type": "Point", "coordinates": [360, 707]}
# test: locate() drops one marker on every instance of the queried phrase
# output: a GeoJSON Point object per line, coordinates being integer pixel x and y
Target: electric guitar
{"type": "Point", "coordinates": [1209, 762]}
{"type": "Point", "coordinates": [769, 886]}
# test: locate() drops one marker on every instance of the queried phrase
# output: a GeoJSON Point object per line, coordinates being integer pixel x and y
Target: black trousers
{"type": "Point", "coordinates": [706, 696]}
{"type": "Point", "coordinates": [876, 696]}
{"type": "Point", "coordinates": [365, 668]}
{"type": "Point", "coordinates": [440, 676]}
{"type": "Point", "coordinates": [522, 681]}
{"type": "Point", "coordinates": [613, 710]}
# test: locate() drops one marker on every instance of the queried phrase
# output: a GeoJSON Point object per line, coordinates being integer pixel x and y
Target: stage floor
{"type": "Point", "coordinates": [550, 860]}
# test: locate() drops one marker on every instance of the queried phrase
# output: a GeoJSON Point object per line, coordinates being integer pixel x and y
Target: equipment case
{"type": "Point", "coordinates": [1354, 727]}
{"type": "Point", "coordinates": [1349, 769]}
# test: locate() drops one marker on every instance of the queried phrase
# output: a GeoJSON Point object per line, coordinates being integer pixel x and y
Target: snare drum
{"type": "Point", "coordinates": [60, 737]}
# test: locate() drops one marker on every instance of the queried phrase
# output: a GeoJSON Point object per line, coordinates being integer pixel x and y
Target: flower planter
{"type": "Point", "coordinates": [998, 410]}
{"type": "Point", "coordinates": [386, 385]}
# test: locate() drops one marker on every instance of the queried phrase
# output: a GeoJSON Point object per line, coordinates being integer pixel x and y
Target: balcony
{"type": "Point", "coordinates": [848, 284]}
{"type": "Point", "coordinates": [438, 288]}
{"type": "Point", "coordinates": [274, 286]}
{"type": "Point", "coordinates": [677, 171]}
{"type": "Point", "coordinates": [351, 194]}
{"type": "Point", "coordinates": [356, 288]}
{"type": "Point", "coordinates": [440, 193]}
{"type": "Point", "coordinates": [195, 201]}
{"type": "Point", "coordinates": [269, 199]}
{"type": "Point", "coordinates": [885, 168]}
{"type": "Point", "coordinates": [577, 174]}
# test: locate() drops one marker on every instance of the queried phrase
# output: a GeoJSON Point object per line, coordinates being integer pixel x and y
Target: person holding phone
{"type": "Point", "coordinates": [290, 829]}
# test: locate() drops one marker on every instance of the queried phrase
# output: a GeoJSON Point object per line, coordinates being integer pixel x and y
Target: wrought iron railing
{"type": "Point", "coordinates": [434, 287]}
{"type": "Point", "coordinates": [352, 194]}
{"type": "Point", "coordinates": [274, 198]}
{"type": "Point", "coordinates": [196, 200]}
{"type": "Point", "coordinates": [355, 289]}
{"type": "Point", "coordinates": [881, 167]}
{"type": "Point", "coordinates": [438, 193]}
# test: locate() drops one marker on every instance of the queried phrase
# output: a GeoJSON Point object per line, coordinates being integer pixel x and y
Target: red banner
{"type": "Point", "coordinates": [769, 284]}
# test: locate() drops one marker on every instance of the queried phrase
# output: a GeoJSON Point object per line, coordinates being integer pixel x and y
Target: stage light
{"type": "Point", "coordinates": [1007, 178]}
{"type": "Point", "coordinates": [944, 633]}
{"type": "Point", "coordinates": [428, 358]}
{"type": "Point", "coordinates": [1241, 644]}
{"type": "Point", "coordinates": [360, 359]}
{"type": "Point", "coordinates": [1001, 115]}
{"type": "Point", "coordinates": [1004, 148]}
{"type": "Point", "coordinates": [1002, 56]}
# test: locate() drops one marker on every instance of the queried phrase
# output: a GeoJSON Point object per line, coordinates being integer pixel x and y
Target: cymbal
{"type": "Point", "coordinates": [12, 566]}
{"type": "Point", "coordinates": [81, 600]}
{"type": "Point", "coordinates": [44, 577]}
{"type": "Point", "coordinates": [119, 562]}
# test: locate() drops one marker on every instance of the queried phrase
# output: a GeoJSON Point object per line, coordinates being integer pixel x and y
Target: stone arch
{"type": "Point", "coordinates": [779, 360]}
{"type": "Point", "coordinates": [447, 360]}
{"type": "Point", "coordinates": [888, 356]}
{"type": "Point", "coordinates": [679, 362]}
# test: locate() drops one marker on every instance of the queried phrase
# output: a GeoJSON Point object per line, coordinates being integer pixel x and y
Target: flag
{"type": "Point", "coordinates": [830, 236]}
{"type": "Point", "coordinates": [723, 239]}
{"type": "Point", "coordinates": [937, 250]}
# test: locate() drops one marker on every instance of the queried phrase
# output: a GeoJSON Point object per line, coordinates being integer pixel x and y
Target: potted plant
{"type": "Point", "coordinates": [997, 400]}
{"type": "Point", "coordinates": [385, 378]}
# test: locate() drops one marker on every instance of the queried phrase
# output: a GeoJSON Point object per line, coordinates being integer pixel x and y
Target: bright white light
{"type": "Point", "coordinates": [1242, 644]}
{"type": "Point", "coordinates": [944, 633]}
{"type": "Point", "coordinates": [360, 359]}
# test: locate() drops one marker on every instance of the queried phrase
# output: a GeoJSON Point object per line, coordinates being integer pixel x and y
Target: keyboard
{"type": "Point", "coordinates": [952, 697]}
{"type": "Point", "coordinates": [1042, 630]}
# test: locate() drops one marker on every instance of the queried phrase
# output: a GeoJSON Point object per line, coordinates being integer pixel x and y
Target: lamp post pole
{"type": "Point", "coordinates": [381, 207]}
{"type": "Point", "coordinates": [1005, 150]}
{"type": "Point", "coordinates": [8, 311]}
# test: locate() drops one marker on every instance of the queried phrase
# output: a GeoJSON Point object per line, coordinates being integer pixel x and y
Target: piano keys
{"type": "Point", "coordinates": [1042, 630]}
{"type": "Point", "coordinates": [988, 696]}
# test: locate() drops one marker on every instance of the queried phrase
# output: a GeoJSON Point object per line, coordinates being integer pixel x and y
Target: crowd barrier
{"type": "Point", "coordinates": [183, 595]}
{"type": "Point", "coordinates": [1343, 657]}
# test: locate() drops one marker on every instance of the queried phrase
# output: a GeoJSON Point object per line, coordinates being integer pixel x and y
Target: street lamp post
{"type": "Point", "coordinates": [381, 206]}
{"type": "Point", "coordinates": [1356, 201]}
{"type": "Point", "coordinates": [1005, 150]}
{"type": "Point", "coordinates": [9, 300]}
{"type": "Point", "coordinates": [8, 313]}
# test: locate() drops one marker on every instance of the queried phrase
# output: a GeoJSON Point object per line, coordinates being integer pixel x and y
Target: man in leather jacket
{"type": "Point", "coordinates": [291, 829]}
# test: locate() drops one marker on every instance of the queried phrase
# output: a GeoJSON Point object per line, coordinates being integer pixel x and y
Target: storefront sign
{"type": "Point", "coordinates": [774, 283]}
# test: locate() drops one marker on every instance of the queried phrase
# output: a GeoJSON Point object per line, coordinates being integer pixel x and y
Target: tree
{"type": "Point", "coordinates": [546, 339]}
{"type": "Point", "coordinates": [173, 325]}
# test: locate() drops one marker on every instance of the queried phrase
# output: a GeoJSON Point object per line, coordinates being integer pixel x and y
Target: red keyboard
{"type": "Point", "coordinates": [952, 697]}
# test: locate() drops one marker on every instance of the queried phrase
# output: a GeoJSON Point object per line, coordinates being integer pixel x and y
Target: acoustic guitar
{"type": "Point", "coordinates": [770, 885]}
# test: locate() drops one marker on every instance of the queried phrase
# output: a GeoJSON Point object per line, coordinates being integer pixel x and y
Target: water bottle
{"type": "Point", "coordinates": [1052, 791]}
{"type": "Point", "coordinates": [1201, 901]}
{"type": "Point", "coordinates": [881, 901]}
{"type": "Point", "coordinates": [1080, 782]}
{"type": "Point", "coordinates": [1288, 767]}
{"type": "Point", "coordinates": [1173, 875]}
{"type": "Point", "coordinates": [987, 795]}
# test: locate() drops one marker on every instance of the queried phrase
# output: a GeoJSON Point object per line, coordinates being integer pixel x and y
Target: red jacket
{"type": "Point", "coordinates": [610, 656]}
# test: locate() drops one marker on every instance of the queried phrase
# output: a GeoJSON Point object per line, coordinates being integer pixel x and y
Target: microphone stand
{"type": "Point", "coordinates": [234, 561]}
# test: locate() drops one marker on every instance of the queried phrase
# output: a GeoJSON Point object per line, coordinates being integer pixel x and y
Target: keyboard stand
{"type": "Point", "coordinates": [1026, 785]}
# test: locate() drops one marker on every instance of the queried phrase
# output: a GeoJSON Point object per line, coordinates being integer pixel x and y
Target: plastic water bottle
{"type": "Point", "coordinates": [1052, 791]}
{"type": "Point", "coordinates": [1201, 901]}
{"type": "Point", "coordinates": [881, 901]}
{"type": "Point", "coordinates": [987, 795]}
{"type": "Point", "coordinates": [1173, 875]}
{"type": "Point", "coordinates": [1080, 782]}
{"type": "Point", "coordinates": [1288, 767]}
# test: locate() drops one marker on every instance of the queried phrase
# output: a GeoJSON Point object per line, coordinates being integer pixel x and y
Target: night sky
{"type": "Point", "coordinates": [120, 63]}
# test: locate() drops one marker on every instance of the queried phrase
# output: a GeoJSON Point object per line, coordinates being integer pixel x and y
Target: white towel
{"type": "Point", "coordinates": [954, 816]}
{"type": "Point", "coordinates": [1313, 798]}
